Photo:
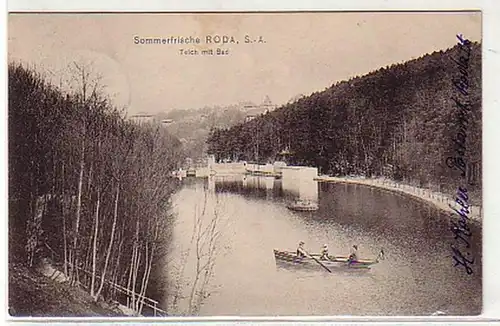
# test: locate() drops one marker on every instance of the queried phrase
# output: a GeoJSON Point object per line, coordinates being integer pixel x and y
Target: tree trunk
{"type": "Point", "coordinates": [63, 212]}
{"type": "Point", "coordinates": [94, 245]}
{"type": "Point", "coordinates": [150, 263]}
{"type": "Point", "coordinates": [134, 280]}
{"type": "Point", "coordinates": [108, 253]}
{"type": "Point", "coordinates": [74, 264]}
{"type": "Point", "coordinates": [117, 265]}
{"type": "Point", "coordinates": [130, 284]}
{"type": "Point", "coordinates": [131, 271]}
{"type": "Point", "coordinates": [135, 264]}
{"type": "Point", "coordinates": [34, 229]}
{"type": "Point", "coordinates": [89, 184]}
{"type": "Point", "coordinates": [142, 291]}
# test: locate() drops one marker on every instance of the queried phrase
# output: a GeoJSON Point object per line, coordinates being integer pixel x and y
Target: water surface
{"type": "Point", "coordinates": [251, 218]}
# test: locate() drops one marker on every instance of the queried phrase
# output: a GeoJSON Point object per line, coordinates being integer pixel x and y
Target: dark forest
{"type": "Point", "coordinates": [397, 122]}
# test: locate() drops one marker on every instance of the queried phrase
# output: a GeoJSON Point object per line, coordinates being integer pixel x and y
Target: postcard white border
{"type": "Point", "coordinates": [491, 124]}
{"type": "Point", "coordinates": [241, 5]}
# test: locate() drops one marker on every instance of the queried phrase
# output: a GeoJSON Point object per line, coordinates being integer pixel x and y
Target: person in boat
{"type": "Point", "coordinates": [301, 253]}
{"type": "Point", "coordinates": [353, 256]}
{"type": "Point", "coordinates": [324, 253]}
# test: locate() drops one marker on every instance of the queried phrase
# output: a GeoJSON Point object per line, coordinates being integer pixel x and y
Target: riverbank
{"type": "Point", "coordinates": [31, 294]}
{"type": "Point", "coordinates": [440, 200]}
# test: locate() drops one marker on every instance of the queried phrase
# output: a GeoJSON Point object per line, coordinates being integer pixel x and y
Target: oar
{"type": "Point", "coordinates": [317, 261]}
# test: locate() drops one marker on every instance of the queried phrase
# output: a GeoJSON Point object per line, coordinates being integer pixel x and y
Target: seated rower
{"type": "Point", "coordinates": [354, 254]}
{"type": "Point", "coordinates": [300, 250]}
{"type": "Point", "coordinates": [324, 253]}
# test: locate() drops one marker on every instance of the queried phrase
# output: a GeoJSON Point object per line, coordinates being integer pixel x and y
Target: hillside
{"type": "Point", "coordinates": [34, 295]}
{"type": "Point", "coordinates": [88, 188]}
{"type": "Point", "coordinates": [398, 121]}
{"type": "Point", "coordinates": [192, 127]}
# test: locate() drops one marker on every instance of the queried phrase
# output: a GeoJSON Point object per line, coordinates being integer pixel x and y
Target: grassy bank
{"type": "Point", "coordinates": [33, 294]}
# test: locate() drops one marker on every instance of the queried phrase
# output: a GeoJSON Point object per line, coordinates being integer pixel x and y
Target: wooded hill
{"type": "Point", "coordinates": [398, 122]}
{"type": "Point", "coordinates": [88, 189]}
{"type": "Point", "coordinates": [193, 126]}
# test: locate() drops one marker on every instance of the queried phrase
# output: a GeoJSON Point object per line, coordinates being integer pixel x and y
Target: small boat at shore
{"type": "Point", "coordinates": [291, 258]}
{"type": "Point", "coordinates": [303, 206]}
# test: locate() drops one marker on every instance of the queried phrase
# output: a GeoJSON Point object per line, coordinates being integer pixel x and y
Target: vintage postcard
{"type": "Point", "coordinates": [245, 164]}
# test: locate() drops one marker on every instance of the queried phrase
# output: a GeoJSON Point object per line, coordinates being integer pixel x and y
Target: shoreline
{"type": "Point", "coordinates": [439, 200]}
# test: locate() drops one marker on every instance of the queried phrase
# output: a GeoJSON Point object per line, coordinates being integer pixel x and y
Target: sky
{"type": "Point", "coordinates": [299, 53]}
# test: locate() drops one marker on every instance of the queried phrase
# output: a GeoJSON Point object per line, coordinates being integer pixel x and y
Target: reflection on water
{"type": "Point", "coordinates": [417, 277]}
{"type": "Point", "coordinates": [300, 183]}
{"type": "Point", "coordinates": [252, 186]}
{"type": "Point", "coordinates": [268, 187]}
{"type": "Point", "coordinates": [336, 270]}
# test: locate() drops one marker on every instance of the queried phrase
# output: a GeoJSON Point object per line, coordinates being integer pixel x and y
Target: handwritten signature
{"type": "Point", "coordinates": [461, 231]}
{"type": "Point", "coordinates": [463, 107]}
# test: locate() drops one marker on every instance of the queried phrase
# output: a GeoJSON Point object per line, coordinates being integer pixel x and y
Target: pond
{"type": "Point", "coordinates": [221, 260]}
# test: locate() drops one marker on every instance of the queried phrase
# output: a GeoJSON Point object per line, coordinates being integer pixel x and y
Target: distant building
{"type": "Point", "coordinates": [252, 110]}
{"type": "Point", "coordinates": [142, 118]}
{"type": "Point", "coordinates": [267, 104]}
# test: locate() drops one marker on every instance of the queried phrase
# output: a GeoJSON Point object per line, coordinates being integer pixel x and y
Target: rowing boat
{"type": "Point", "coordinates": [290, 257]}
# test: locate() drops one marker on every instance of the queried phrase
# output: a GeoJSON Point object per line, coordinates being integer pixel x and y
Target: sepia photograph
{"type": "Point", "coordinates": [245, 164]}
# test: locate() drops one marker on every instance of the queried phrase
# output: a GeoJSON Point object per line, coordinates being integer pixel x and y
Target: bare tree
{"type": "Point", "coordinates": [206, 249]}
{"type": "Point", "coordinates": [107, 178]}
{"type": "Point", "coordinates": [202, 251]}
